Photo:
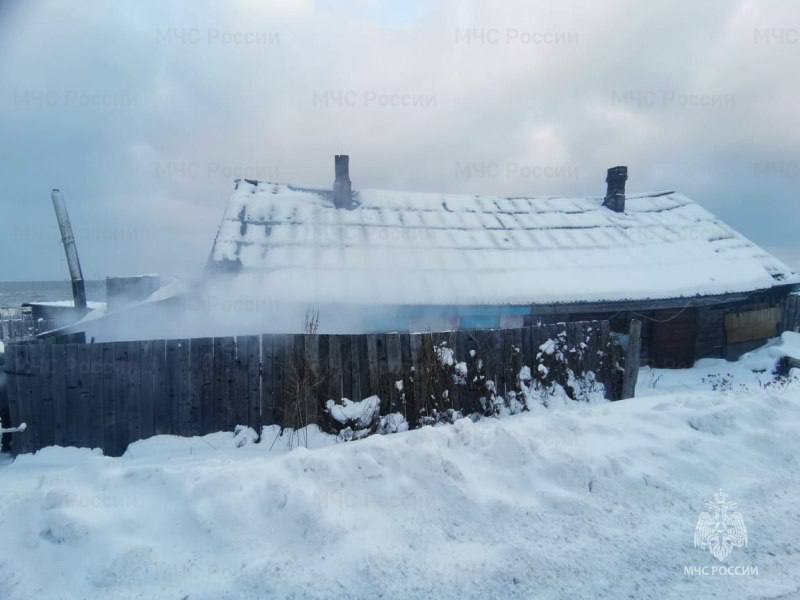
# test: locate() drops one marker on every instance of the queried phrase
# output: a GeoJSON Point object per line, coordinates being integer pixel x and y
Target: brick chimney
{"type": "Point", "coordinates": [615, 192]}
{"type": "Point", "coordinates": [342, 188]}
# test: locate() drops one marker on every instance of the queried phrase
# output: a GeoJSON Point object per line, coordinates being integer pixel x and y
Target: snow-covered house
{"type": "Point", "coordinates": [418, 261]}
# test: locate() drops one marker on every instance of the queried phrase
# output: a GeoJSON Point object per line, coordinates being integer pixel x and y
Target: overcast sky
{"type": "Point", "coordinates": [144, 113]}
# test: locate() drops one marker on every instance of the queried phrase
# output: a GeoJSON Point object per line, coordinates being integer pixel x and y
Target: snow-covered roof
{"type": "Point", "coordinates": [439, 249]}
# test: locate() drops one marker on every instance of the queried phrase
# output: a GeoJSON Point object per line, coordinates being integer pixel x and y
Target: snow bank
{"type": "Point", "coordinates": [583, 501]}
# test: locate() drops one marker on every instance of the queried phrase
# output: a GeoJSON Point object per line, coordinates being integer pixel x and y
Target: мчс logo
{"type": "Point", "coordinates": [721, 528]}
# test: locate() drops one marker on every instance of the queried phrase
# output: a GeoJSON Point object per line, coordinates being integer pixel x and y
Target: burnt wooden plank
{"type": "Point", "coordinates": [248, 352]}
{"type": "Point", "coordinates": [83, 428]}
{"type": "Point", "coordinates": [358, 358]}
{"type": "Point", "coordinates": [184, 413]}
{"type": "Point", "coordinates": [439, 368]}
{"type": "Point", "coordinates": [384, 380]}
{"type": "Point", "coordinates": [201, 361]}
{"type": "Point", "coordinates": [109, 401]}
{"type": "Point", "coordinates": [25, 441]}
{"type": "Point", "coordinates": [591, 332]}
{"type": "Point", "coordinates": [95, 396]}
{"type": "Point", "coordinates": [373, 386]}
{"type": "Point", "coordinates": [605, 361]}
{"type": "Point", "coordinates": [254, 410]}
{"type": "Point", "coordinates": [573, 332]}
{"type": "Point", "coordinates": [346, 349]}
{"type": "Point", "coordinates": [224, 382]}
{"type": "Point", "coordinates": [407, 391]}
{"type": "Point", "coordinates": [121, 389]}
{"type": "Point", "coordinates": [147, 390]}
{"type": "Point", "coordinates": [267, 380]}
{"type": "Point", "coordinates": [28, 395]}
{"type": "Point", "coordinates": [364, 368]}
{"type": "Point", "coordinates": [515, 359]}
{"type": "Point", "coordinates": [26, 391]}
{"type": "Point", "coordinates": [460, 383]}
{"type": "Point", "coordinates": [74, 399]}
{"type": "Point", "coordinates": [10, 367]}
{"type": "Point", "coordinates": [527, 347]}
{"type": "Point", "coordinates": [313, 377]}
{"type": "Point", "coordinates": [497, 358]}
{"type": "Point", "coordinates": [429, 363]}
{"type": "Point", "coordinates": [214, 417]}
{"type": "Point", "coordinates": [301, 382]}
{"type": "Point", "coordinates": [508, 363]}
{"type": "Point", "coordinates": [416, 394]}
{"type": "Point", "coordinates": [278, 378]}
{"type": "Point", "coordinates": [280, 383]}
{"type": "Point", "coordinates": [42, 409]}
{"type": "Point", "coordinates": [134, 374]}
{"type": "Point", "coordinates": [33, 394]}
{"type": "Point", "coordinates": [171, 413]}
{"type": "Point", "coordinates": [335, 364]}
{"type": "Point", "coordinates": [323, 375]}
{"type": "Point", "coordinates": [589, 341]}
{"type": "Point", "coordinates": [538, 334]}
{"type": "Point", "coordinates": [287, 409]}
{"type": "Point", "coordinates": [394, 371]}
{"type": "Point", "coordinates": [162, 414]}
{"type": "Point", "coordinates": [294, 381]}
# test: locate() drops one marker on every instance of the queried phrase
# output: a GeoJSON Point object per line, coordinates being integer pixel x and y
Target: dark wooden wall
{"type": "Point", "coordinates": [688, 330]}
{"type": "Point", "coordinates": [673, 338]}
{"type": "Point", "coordinates": [107, 395]}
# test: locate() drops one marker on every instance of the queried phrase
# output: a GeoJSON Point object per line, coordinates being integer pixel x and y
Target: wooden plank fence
{"type": "Point", "coordinates": [16, 327]}
{"type": "Point", "coordinates": [108, 395]}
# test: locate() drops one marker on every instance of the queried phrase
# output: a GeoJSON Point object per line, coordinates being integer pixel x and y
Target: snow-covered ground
{"type": "Point", "coordinates": [576, 501]}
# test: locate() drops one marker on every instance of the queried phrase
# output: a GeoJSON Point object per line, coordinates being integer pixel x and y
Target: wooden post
{"type": "Point", "coordinates": [632, 359]}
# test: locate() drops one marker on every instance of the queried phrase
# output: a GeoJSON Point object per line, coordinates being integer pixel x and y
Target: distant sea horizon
{"type": "Point", "coordinates": [14, 293]}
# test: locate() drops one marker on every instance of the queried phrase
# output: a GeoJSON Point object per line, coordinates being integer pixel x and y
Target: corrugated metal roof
{"type": "Point", "coordinates": [423, 248]}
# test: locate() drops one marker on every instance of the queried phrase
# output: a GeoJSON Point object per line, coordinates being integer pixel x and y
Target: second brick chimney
{"type": "Point", "coordinates": [615, 192]}
{"type": "Point", "coordinates": [342, 188]}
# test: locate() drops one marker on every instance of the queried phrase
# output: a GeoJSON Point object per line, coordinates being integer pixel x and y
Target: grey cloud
{"type": "Point", "coordinates": [144, 113]}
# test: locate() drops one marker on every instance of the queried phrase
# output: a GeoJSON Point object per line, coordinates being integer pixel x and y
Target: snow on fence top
{"type": "Point", "coordinates": [423, 248]}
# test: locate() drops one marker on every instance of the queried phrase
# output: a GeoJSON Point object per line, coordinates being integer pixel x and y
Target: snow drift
{"type": "Point", "coordinates": [572, 501]}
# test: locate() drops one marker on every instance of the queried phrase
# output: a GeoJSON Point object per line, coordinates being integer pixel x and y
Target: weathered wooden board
{"type": "Point", "coordinates": [268, 393]}
{"type": "Point", "coordinates": [347, 366]}
{"type": "Point", "coordinates": [95, 400]}
{"type": "Point", "coordinates": [74, 399]}
{"type": "Point", "coordinates": [84, 433]}
{"type": "Point", "coordinates": [10, 367]}
{"type": "Point", "coordinates": [42, 409]}
{"type": "Point", "coordinates": [751, 325]}
{"type": "Point", "coordinates": [311, 373]}
{"type": "Point", "coordinates": [415, 395]}
{"type": "Point", "coordinates": [335, 365]}
{"type": "Point", "coordinates": [134, 374]}
{"type": "Point", "coordinates": [109, 401]}
{"type": "Point", "coordinates": [147, 392]}
{"type": "Point", "coordinates": [394, 374]}
{"type": "Point", "coordinates": [202, 385]}
{"type": "Point", "coordinates": [248, 394]}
